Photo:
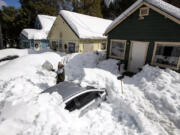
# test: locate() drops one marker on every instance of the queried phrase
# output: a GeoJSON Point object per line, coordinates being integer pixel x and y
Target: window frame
{"type": "Point", "coordinates": [144, 8]}
{"type": "Point", "coordinates": [62, 44]}
{"type": "Point", "coordinates": [165, 44]}
{"type": "Point", "coordinates": [118, 57]}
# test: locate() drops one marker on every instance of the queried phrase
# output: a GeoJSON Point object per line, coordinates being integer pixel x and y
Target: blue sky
{"type": "Point", "coordinates": [14, 3]}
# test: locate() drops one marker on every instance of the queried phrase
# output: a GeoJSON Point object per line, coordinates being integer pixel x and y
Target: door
{"type": "Point", "coordinates": [137, 56]}
{"type": "Point", "coordinates": [71, 47]}
{"type": "Point", "coordinates": [88, 47]}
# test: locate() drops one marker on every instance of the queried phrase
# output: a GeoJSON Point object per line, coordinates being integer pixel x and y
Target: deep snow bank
{"type": "Point", "coordinates": [158, 98]}
{"type": "Point", "coordinates": [28, 64]}
{"type": "Point", "coordinates": [162, 89]}
{"type": "Point", "coordinates": [148, 104]}
{"type": "Point", "coordinates": [8, 52]}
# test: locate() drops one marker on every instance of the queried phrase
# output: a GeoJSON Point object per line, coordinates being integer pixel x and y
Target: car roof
{"type": "Point", "coordinates": [69, 89]}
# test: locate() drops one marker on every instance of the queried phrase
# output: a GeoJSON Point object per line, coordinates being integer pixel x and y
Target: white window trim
{"type": "Point", "coordinates": [117, 40]}
{"type": "Point", "coordinates": [165, 44]}
{"type": "Point", "coordinates": [143, 8]}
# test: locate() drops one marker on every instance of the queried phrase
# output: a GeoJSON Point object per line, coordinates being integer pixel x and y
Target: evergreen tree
{"type": "Point", "coordinates": [1, 38]}
{"type": "Point", "coordinates": [88, 7]}
{"type": "Point", "coordinates": [7, 17]}
{"type": "Point", "coordinates": [32, 8]}
{"type": "Point", "coordinates": [115, 8]}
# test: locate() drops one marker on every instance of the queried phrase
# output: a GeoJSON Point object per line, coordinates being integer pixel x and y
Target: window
{"type": "Point", "coordinates": [60, 44]}
{"type": "Point", "coordinates": [103, 46]}
{"type": "Point", "coordinates": [117, 49]}
{"type": "Point", "coordinates": [71, 47]}
{"type": "Point", "coordinates": [144, 11]}
{"type": "Point", "coordinates": [26, 45]}
{"type": "Point", "coordinates": [54, 45]}
{"type": "Point", "coordinates": [81, 101]}
{"type": "Point", "coordinates": [167, 55]}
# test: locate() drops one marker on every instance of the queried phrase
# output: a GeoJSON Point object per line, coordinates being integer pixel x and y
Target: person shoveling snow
{"type": "Point", "coordinates": [60, 73]}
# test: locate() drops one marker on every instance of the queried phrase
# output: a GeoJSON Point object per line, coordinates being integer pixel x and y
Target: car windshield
{"type": "Point", "coordinates": [81, 101]}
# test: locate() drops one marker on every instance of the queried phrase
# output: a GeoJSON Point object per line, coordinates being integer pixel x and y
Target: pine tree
{"type": "Point", "coordinates": [88, 7]}
{"type": "Point", "coordinates": [1, 38]}
{"type": "Point", "coordinates": [7, 17]}
{"type": "Point", "coordinates": [115, 8]}
{"type": "Point", "coordinates": [34, 7]}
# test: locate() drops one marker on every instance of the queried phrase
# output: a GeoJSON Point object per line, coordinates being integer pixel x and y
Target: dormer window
{"type": "Point", "coordinates": [144, 11]}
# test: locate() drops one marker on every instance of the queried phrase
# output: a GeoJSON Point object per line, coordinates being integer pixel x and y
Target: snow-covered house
{"type": "Point", "coordinates": [74, 32]}
{"type": "Point", "coordinates": [147, 32]}
{"type": "Point", "coordinates": [37, 38]}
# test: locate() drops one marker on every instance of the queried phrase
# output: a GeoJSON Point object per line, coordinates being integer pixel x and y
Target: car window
{"type": "Point", "coordinates": [70, 105]}
{"type": "Point", "coordinates": [81, 101]}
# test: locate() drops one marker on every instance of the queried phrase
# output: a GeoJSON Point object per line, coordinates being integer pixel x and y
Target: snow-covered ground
{"type": "Point", "coordinates": [146, 104]}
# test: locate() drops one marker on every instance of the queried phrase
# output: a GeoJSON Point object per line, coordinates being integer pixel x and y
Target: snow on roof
{"type": "Point", "coordinates": [86, 27]}
{"type": "Point", "coordinates": [38, 34]}
{"type": "Point", "coordinates": [164, 6]}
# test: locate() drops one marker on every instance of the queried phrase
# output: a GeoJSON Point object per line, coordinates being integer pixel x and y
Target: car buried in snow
{"type": "Point", "coordinates": [77, 98]}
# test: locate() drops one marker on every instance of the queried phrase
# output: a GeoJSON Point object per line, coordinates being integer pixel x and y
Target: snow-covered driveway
{"type": "Point", "coordinates": [149, 103]}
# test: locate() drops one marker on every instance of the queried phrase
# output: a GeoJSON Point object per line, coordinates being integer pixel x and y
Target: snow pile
{"type": "Point", "coordinates": [75, 64]}
{"type": "Point", "coordinates": [162, 88]}
{"type": "Point", "coordinates": [39, 34]}
{"type": "Point", "coordinates": [146, 104]}
{"type": "Point", "coordinates": [109, 65]}
{"type": "Point", "coordinates": [85, 26]}
{"type": "Point", "coordinates": [10, 52]}
{"type": "Point", "coordinates": [27, 65]}
{"type": "Point", "coordinates": [156, 94]}
{"type": "Point", "coordinates": [38, 115]}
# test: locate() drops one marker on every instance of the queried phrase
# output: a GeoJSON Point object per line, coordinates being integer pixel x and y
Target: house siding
{"type": "Point", "coordinates": [30, 43]}
{"type": "Point", "coordinates": [62, 31]}
{"type": "Point", "coordinates": [154, 27]}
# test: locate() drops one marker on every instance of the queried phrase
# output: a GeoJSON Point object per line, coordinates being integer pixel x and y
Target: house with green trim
{"type": "Point", "coordinates": [148, 32]}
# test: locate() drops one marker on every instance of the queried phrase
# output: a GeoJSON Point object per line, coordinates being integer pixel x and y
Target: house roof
{"type": "Point", "coordinates": [164, 7]}
{"type": "Point", "coordinates": [84, 26]}
{"type": "Point", "coordinates": [39, 34]}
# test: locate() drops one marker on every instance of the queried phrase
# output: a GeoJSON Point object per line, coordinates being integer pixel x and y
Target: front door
{"type": "Point", "coordinates": [137, 56]}
{"type": "Point", "coordinates": [88, 47]}
{"type": "Point", "coordinates": [71, 47]}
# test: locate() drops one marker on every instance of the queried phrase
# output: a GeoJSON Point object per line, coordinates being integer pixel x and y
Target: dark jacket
{"type": "Point", "coordinates": [60, 75]}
